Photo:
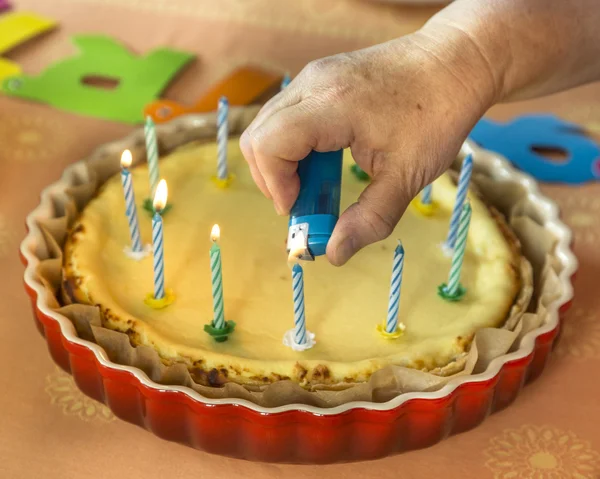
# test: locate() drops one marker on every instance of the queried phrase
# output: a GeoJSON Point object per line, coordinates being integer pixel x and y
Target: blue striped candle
{"type": "Point", "coordinates": [453, 286]}
{"type": "Point", "coordinates": [151, 154]}
{"type": "Point", "coordinates": [217, 280]}
{"type": "Point", "coordinates": [426, 195]}
{"type": "Point", "coordinates": [130, 207]}
{"type": "Point", "coordinates": [299, 314]}
{"type": "Point", "coordinates": [461, 195]}
{"type": "Point", "coordinates": [222, 137]}
{"type": "Point", "coordinates": [286, 81]}
{"type": "Point", "coordinates": [160, 200]}
{"type": "Point", "coordinates": [391, 324]}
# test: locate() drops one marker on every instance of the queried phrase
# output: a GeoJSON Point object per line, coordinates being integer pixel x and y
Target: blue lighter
{"type": "Point", "coordinates": [317, 208]}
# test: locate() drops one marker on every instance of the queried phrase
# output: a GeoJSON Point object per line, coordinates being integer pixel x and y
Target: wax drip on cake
{"type": "Point", "coordinates": [392, 329]}
{"type": "Point", "coordinates": [161, 297]}
{"type": "Point", "coordinates": [153, 172]}
{"type": "Point", "coordinates": [223, 178]}
{"type": "Point", "coordinates": [219, 329]}
{"type": "Point", "coordinates": [298, 338]}
{"type": "Point", "coordinates": [137, 250]}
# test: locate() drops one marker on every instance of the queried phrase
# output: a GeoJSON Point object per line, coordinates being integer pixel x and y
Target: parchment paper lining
{"type": "Point", "coordinates": [539, 276]}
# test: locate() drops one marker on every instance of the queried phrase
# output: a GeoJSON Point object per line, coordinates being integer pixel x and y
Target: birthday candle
{"type": "Point", "coordinates": [217, 279]}
{"type": "Point", "coordinates": [286, 81]}
{"type": "Point", "coordinates": [394, 303]}
{"type": "Point", "coordinates": [130, 207]}
{"type": "Point", "coordinates": [299, 315]}
{"type": "Point", "coordinates": [160, 200]}
{"type": "Point", "coordinates": [459, 251]}
{"type": "Point", "coordinates": [222, 137]}
{"type": "Point", "coordinates": [152, 154]}
{"type": "Point", "coordinates": [426, 195]}
{"type": "Point", "coordinates": [461, 194]}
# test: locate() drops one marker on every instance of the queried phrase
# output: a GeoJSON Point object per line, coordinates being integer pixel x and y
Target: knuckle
{"type": "Point", "coordinates": [381, 226]}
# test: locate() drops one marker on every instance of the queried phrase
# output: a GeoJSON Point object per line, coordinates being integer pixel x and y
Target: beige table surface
{"type": "Point", "coordinates": [49, 429]}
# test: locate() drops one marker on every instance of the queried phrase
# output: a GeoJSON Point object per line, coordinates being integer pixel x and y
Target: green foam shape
{"type": "Point", "coordinates": [141, 79]}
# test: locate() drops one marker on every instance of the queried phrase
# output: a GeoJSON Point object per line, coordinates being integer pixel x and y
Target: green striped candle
{"type": "Point", "coordinates": [453, 290]}
{"type": "Point", "coordinates": [217, 280]}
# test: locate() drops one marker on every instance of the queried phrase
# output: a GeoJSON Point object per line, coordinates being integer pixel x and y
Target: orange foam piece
{"type": "Point", "coordinates": [241, 87]}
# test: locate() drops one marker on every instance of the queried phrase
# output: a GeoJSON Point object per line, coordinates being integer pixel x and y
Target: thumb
{"type": "Point", "coordinates": [372, 218]}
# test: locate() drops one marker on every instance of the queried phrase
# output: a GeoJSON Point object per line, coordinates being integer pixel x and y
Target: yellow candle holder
{"type": "Point", "coordinates": [422, 208]}
{"type": "Point", "coordinates": [223, 183]}
{"type": "Point", "coordinates": [395, 335]}
{"type": "Point", "coordinates": [160, 303]}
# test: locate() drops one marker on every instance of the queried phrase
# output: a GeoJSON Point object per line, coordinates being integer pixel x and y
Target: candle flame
{"type": "Point", "coordinates": [126, 159]}
{"type": "Point", "coordinates": [215, 233]}
{"type": "Point", "coordinates": [160, 197]}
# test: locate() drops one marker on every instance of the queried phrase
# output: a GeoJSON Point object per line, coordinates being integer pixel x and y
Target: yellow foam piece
{"type": "Point", "coordinates": [16, 28]}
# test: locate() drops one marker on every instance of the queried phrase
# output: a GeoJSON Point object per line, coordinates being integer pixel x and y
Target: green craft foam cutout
{"type": "Point", "coordinates": [140, 79]}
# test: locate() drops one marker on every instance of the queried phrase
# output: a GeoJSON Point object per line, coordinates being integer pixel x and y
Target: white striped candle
{"type": "Point", "coordinates": [160, 200]}
{"type": "Point", "coordinates": [222, 137]}
{"type": "Point", "coordinates": [217, 279]}
{"type": "Point", "coordinates": [459, 252]}
{"type": "Point", "coordinates": [286, 81]}
{"type": "Point", "coordinates": [426, 195]}
{"type": "Point", "coordinates": [391, 324]}
{"type": "Point", "coordinates": [300, 336]}
{"type": "Point", "coordinates": [151, 154]}
{"type": "Point", "coordinates": [130, 206]}
{"type": "Point", "coordinates": [461, 195]}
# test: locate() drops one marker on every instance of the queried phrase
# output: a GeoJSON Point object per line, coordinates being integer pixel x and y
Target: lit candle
{"type": "Point", "coordinates": [298, 338]}
{"type": "Point", "coordinates": [130, 207]}
{"type": "Point", "coordinates": [219, 329]}
{"type": "Point", "coordinates": [217, 279]}
{"type": "Point", "coordinates": [426, 195]}
{"type": "Point", "coordinates": [286, 81]}
{"type": "Point", "coordinates": [461, 195]}
{"type": "Point", "coordinates": [391, 325]}
{"type": "Point", "coordinates": [152, 154]}
{"type": "Point", "coordinates": [160, 200]}
{"type": "Point", "coordinates": [222, 137]}
{"type": "Point", "coordinates": [453, 291]}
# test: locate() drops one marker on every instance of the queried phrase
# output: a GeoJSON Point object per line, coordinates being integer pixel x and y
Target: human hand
{"type": "Point", "coordinates": [403, 107]}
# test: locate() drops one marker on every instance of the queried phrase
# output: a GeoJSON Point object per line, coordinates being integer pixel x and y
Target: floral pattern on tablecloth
{"type": "Point", "coordinates": [541, 452]}
{"type": "Point", "coordinates": [63, 393]}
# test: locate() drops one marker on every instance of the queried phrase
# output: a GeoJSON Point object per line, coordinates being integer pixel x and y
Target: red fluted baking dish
{"type": "Point", "coordinates": [299, 433]}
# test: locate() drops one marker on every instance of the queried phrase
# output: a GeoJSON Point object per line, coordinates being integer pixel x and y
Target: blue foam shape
{"type": "Point", "coordinates": [514, 140]}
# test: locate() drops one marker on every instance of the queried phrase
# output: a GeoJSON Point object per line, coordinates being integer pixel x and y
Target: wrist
{"type": "Point", "coordinates": [477, 64]}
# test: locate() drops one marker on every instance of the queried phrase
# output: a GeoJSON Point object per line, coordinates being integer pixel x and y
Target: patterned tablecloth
{"type": "Point", "coordinates": [50, 429]}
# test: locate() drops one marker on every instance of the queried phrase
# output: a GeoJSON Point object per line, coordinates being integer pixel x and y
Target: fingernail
{"type": "Point", "coordinates": [344, 251]}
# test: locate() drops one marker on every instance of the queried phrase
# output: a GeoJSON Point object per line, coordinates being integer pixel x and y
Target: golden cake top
{"type": "Point", "coordinates": [343, 305]}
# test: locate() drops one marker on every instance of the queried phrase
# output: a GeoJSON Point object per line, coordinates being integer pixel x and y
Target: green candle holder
{"type": "Point", "coordinates": [220, 335]}
{"type": "Point", "coordinates": [443, 293]}
{"type": "Point", "coordinates": [360, 174]}
{"type": "Point", "coordinates": [148, 205]}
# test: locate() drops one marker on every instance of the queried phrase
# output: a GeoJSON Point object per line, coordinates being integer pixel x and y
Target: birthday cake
{"type": "Point", "coordinates": [345, 308]}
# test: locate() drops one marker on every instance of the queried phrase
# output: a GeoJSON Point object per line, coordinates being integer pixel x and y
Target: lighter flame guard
{"type": "Point", "coordinates": [317, 208]}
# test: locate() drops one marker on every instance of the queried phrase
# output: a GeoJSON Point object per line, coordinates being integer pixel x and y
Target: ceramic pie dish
{"type": "Point", "coordinates": [299, 433]}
